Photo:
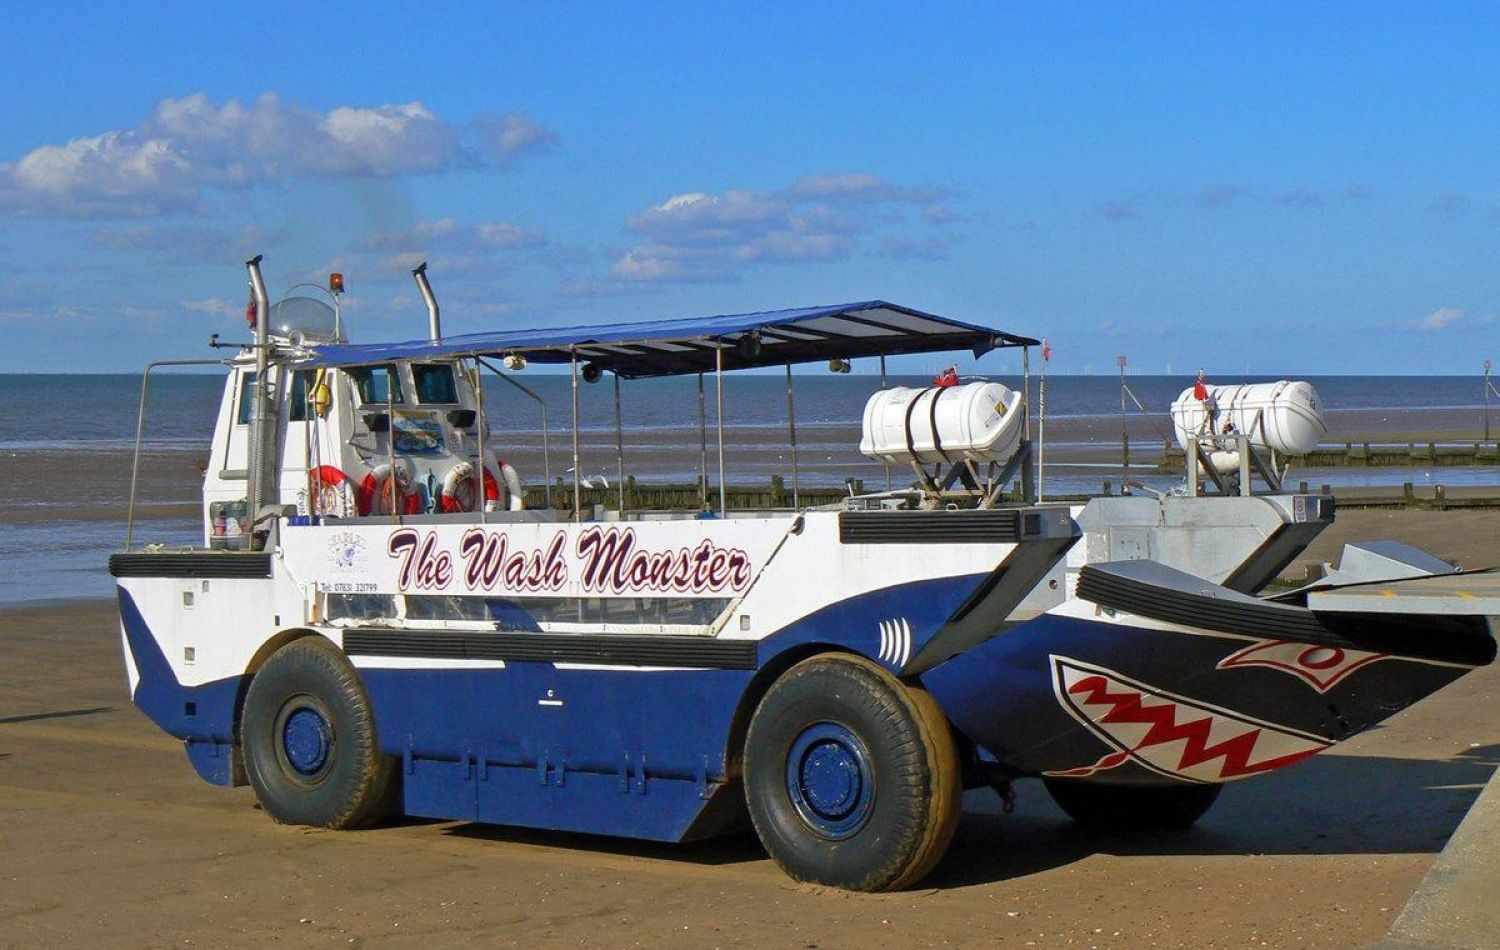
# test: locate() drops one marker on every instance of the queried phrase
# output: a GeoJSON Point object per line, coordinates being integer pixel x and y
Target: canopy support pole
{"type": "Point", "coordinates": [619, 446]}
{"type": "Point", "coordinates": [884, 386]}
{"type": "Point", "coordinates": [791, 428]}
{"type": "Point", "coordinates": [1028, 468]}
{"type": "Point", "coordinates": [577, 485]}
{"type": "Point", "coordinates": [398, 500]}
{"type": "Point", "coordinates": [1041, 433]}
{"type": "Point", "coordinates": [541, 403]}
{"type": "Point", "coordinates": [702, 447]}
{"type": "Point", "coordinates": [719, 385]}
{"type": "Point", "coordinates": [482, 423]}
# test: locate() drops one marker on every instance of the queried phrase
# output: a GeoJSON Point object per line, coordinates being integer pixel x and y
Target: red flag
{"type": "Point", "coordinates": [250, 313]}
{"type": "Point", "coordinates": [1046, 350]}
{"type": "Point", "coordinates": [1200, 390]}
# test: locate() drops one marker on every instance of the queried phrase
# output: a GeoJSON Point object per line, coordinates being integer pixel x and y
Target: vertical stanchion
{"type": "Point", "coordinates": [1124, 433]}
{"type": "Point", "coordinates": [577, 476]}
{"type": "Point", "coordinates": [884, 386]}
{"type": "Point", "coordinates": [719, 384]}
{"type": "Point", "coordinates": [791, 427]}
{"type": "Point", "coordinates": [1028, 467]}
{"type": "Point", "coordinates": [619, 446]}
{"type": "Point", "coordinates": [482, 424]}
{"type": "Point", "coordinates": [1487, 400]}
{"type": "Point", "coordinates": [1041, 424]}
{"type": "Point", "coordinates": [702, 448]}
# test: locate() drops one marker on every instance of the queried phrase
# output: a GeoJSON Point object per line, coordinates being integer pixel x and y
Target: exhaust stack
{"type": "Point", "coordinates": [260, 484]}
{"type": "Point", "coordinates": [434, 323]}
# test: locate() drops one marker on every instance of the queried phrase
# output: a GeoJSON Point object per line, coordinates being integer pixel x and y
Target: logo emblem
{"type": "Point", "coordinates": [895, 641]}
{"type": "Point", "coordinates": [1170, 734]}
{"type": "Point", "coordinates": [1322, 668]}
{"type": "Point", "coordinates": [346, 551]}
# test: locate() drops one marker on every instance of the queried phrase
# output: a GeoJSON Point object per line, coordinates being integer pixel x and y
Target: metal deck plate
{"type": "Point", "coordinates": [1459, 595]}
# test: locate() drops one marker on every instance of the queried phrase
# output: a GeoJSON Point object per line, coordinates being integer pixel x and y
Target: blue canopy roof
{"type": "Point", "coordinates": [673, 347]}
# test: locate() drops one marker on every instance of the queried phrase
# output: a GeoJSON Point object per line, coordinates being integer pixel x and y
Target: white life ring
{"type": "Point", "coordinates": [459, 486]}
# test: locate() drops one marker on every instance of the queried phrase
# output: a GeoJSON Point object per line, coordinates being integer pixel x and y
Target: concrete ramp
{"type": "Point", "coordinates": [1457, 905]}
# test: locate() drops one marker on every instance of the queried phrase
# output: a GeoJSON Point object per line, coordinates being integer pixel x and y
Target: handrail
{"type": "Point", "coordinates": [546, 456]}
{"type": "Point", "coordinates": [140, 424]}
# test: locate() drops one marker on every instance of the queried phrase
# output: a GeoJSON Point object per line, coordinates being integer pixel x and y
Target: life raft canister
{"type": "Point", "coordinates": [386, 490]}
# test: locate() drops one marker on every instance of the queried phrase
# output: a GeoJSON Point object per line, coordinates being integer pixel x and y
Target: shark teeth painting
{"type": "Point", "coordinates": [1170, 734]}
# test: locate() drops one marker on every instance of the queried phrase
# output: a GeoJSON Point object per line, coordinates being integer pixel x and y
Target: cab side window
{"type": "Point", "coordinates": [434, 383]}
{"type": "Point", "coordinates": [246, 381]}
{"type": "Point", "coordinates": [297, 398]}
{"type": "Point", "coordinates": [377, 385]}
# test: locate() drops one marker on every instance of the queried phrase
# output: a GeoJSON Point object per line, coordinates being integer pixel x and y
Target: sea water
{"type": "Point", "coordinates": [84, 415]}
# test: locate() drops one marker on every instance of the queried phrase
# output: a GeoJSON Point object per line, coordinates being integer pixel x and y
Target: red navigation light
{"type": "Point", "coordinates": [336, 283]}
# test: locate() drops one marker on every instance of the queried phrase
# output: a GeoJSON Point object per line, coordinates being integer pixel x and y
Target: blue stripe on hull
{"type": "Point", "coordinates": [538, 746]}
{"type": "Point", "coordinates": [638, 753]}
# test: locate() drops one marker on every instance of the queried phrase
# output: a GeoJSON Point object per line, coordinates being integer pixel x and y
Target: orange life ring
{"type": "Point", "coordinates": [331, 493]}
{"type": "Point", "coordinates": [386, 490]}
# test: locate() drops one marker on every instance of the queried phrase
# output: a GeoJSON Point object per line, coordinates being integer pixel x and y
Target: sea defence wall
{"type": "Point", "coordinates": [1454, 908]}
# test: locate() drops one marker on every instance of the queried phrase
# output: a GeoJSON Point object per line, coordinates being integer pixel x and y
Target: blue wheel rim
{"type": "Point", "coordinates": [830, 779]}
{"type": "Point", "coordinates": [306, 741]}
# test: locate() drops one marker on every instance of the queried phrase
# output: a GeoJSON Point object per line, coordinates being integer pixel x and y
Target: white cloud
{"type": "Point", "coordinates": [188, 244]}
{"type": "Point", "coordinates": [504, 138]}
{"type": "Point", "coordinates": [902, 247]}
{"type": "Point", "coordinates": [698, 236]}
{"type": "Point", "coordinates": [164, 165]}
{"type": "Point", "coordinates": [213, 306]}
{"type": "Point", "coordinates": [455, 249]}
{"type": "Point", "coordinates": [1441, 318]}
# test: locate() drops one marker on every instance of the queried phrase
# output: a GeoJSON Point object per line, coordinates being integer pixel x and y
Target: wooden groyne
{"type": "Point", "coordinates": [1374, 455]}
{"type": "Point", "coordinates": [688, 496]}
{"type": "Point", "coordinates": [777, 493]}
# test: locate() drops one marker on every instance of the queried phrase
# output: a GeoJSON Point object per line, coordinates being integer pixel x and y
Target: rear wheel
{"type": "Point", "coordinates": [309, 740]}
{"type": "Point", "coordinates": [1132, 807]}
{"type": "Point", "coordinates": [851, 777]}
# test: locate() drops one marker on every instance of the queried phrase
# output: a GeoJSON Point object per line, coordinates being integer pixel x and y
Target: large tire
{"type": "Point", "coordinates": [1132, 807]}
{"type": "Point", "coordinates": [852, 778]}
{"type": "Point", "coordinates": [309, 740]}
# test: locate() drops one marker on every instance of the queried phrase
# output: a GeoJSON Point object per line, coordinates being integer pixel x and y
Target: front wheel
{"type": "Point", "coordinates": [309, 740]}
{"type": "Point", "coordinates": [1132, 807]}
{"type": "Point", "coordinates": [851, 777]}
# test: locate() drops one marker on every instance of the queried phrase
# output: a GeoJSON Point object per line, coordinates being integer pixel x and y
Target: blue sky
{"type": "Point", "coordinates": [1261, 187]}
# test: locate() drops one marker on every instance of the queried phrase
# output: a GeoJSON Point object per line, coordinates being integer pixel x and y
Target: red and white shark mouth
{"type": "Point", "coordinates": [1169, 734]}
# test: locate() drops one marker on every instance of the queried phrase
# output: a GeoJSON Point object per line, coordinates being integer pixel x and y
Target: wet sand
{"type": "Point", "coordinates": [111, 841]}
{"type": "Point", "coordinates": [39, 484]}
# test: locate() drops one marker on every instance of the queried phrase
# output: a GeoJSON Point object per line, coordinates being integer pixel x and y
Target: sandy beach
{"type": "Point", "coordinates": [112, 842]}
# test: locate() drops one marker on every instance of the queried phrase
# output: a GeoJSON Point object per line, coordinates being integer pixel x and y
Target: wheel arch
{"type": "Point", "coordinates": [258, 660]}
{"type": "Point", "coordinates": [734, 752]}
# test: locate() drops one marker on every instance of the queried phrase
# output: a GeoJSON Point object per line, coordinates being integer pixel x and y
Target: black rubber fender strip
{"type": "Point", "coordinates": [614, 649]}
{"type": "Point", "coordinates": [966, 526]}
{"type": "Point", "coordinates": [191, 564]}
{"type": "Point", "coordinates": [1463, 640]}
